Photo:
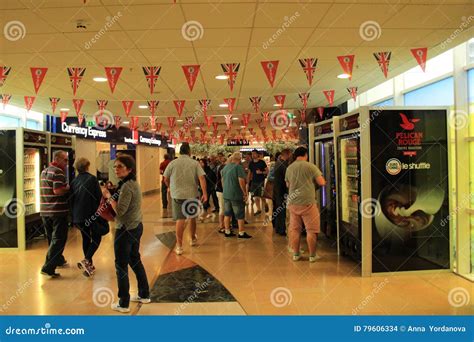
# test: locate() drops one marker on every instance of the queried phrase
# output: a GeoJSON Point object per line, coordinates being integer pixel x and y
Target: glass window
{"type": "Point", "coordinates": [9, 121]}
{"type": "Point", "coordinates": [435, 67]}
{"type": "Point", "coordinates": [470, 52]}
{"type": "Point", "coordinates": [386, 103]}
{"type": "Point", "coordinates": [32, 124]}
{"type": "Point", "coordinates": [440, 93]}
{"type": "Point", "coordinates": [381, 91]}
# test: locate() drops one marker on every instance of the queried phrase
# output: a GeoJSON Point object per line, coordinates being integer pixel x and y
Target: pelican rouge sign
{"type": "Point", "coordinates": [409, 165]}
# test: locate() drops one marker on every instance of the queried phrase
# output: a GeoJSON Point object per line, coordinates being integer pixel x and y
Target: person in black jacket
{"type": "Point", "coordinates": [211, 180]}
{"type": "Point", "coordinates": [85, 200]}
{"type": "Point", "coordinates": [280, 192]}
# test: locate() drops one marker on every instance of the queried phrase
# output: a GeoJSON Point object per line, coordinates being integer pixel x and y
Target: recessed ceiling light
{"type": "Point", "coordinates": [64, 109]}
{"type": "Point", "coordinates": [277, 105]}
{"type": "Point", "coordinates": [180, 120]}
{"type": "Point", "coordinates": [343, 76]}
{"type": "Point", "coordinates": [126, 122]}
{"type": "Point", "coordinates": [100, 79]}
{"type": "Point", "coordinates": [198, 127]}
{"type": "Point", "coordinates": [223, 105]}
{"type": "Point", "coordinates": [143, 106]}
{"type": "Point", "coordinates": [235, 118]}
{"type": "Point", "coordinates": [242, 126]}
{"type": "Point", "coordinates": [222, 77]}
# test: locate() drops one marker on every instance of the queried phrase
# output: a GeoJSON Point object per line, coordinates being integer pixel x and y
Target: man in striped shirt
{"type": "Point", "coordinates": [54, 211]}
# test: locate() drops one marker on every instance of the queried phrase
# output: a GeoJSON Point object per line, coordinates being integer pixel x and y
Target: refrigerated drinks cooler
{"type": "Point", "coordinates": [24, 153]}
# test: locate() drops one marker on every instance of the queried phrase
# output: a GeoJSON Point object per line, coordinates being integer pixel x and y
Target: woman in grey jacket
{"type": "Point", "coordinates": [127, 205]}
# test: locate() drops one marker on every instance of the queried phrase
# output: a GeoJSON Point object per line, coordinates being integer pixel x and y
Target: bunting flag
{"type": "Point", "coordinates": [179, 105]}
{"type": "Point", "coordinates": [75, 77]}
{"type": "Point", "coordinates": [5, 99]}
{"type": "Point", "coordinates": [152, 106]}
{"type": "Point", "coordinates": [329, 96]}
{"type": "Point", "coordinates": [38, 74]}
{"type": "Point", "coordinates": [228, 120]}
{"type": "Point", "coordinates": [230, 103]}
{"type": "Point", "coordinates": [54, 102]}
{"type": "Point", "coordinates": [303, 115]}
{"type": "Point", "coordinates": [353, 92]}
{"type": "Point", "coordinates": [171, 121]}
{"type": "Point", "coordinates": [280, 100]}
{"type": "Point", "coordinates": [113, 74]}
{"type": "Point", "coordinates": [251, 131]}
{"type": "Point", "coordinates": [127, 106]}
{"type": "Point", "coordinates": [320, 111]}
{"type": "Point", "coordinates": [274, 134]}
{"type": "Point", "coordinates": [420, 55]}
{"type": "Point", "coordinates": [4, 72]}
{"type": "Point", "coordinates": [259, 122]}
{"type": "Point", "coordinates": [29, 100]}
{"type": "Point", "coordinates": [304, 99]}
{"type": "Point", "coordinates": [255, 100]}
{"type": "Point", "coordinates": [270, 68]}
{"type": "Point", "coordinates": [209, 120]}
{"type": "Point", "coordinates": [77, 105]}
{"type": "Point", "coordinates": [63, 114]}
{"type": "Point", "coordinates": [191, 73]}
{"type": "Point", "coordinates": [309, 67]}
{"type": "Point", "coordinates": [151, 75]}
{"type": "Point", "coordinates": [265, 116]}
{"type": "Point", "coordinates": [158, 126]}
{"type": "Point", "coordinates": [102, 104]}
{"type": "Point", "coordinates": [146, 126]}
{"type": "Point", "coordinates": [383, 58]}
{"type": "Point", "coordinates": [347, 64]}
{"type": "Point", "coordinates": [222, 138]}
{"type": "Point", "coordinates": [80, 119]}
{"type": "Point", "coordinates": [153, 122]}
{"type": "Point", "coordinates": [204, 105]}
{"type": "Point", "coordinates": [188, 122]}
{"type": "Point", "coordinates": [117, 121]}
{"type": "Point", "coordinates": [231, 70]}
{"type": "Point", "coordinates": [215, 125]}
{"type": "Point", "coordinates": [134, 123]}
{"type": "Point", "coordinates": [246, 119]}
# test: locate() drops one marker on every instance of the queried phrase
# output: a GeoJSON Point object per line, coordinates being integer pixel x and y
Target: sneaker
{"type": "Point", "coordinates": [50, 274]}
{"type": "Point", "coordinates": [209, 216]}
{"type": "Point", "coordinates": [296, 257]}
{"type": "Point", "coordinates": [244, 236]}
{"type": "Point", "coordinates": [117, 307]}
{"type": "Point", "coordinates": [63, 264]}
{"type": "Point", "coordinates": [246, 222]}
{"type": "Point", "coordinates": [86, 266]}
{"type": "Point", "coordinates": [230, 234]}
{"type": "Point", "coordinates": [215, 210]}
{"type": "Point", "coordinates": [139, 299]}
{"type": "Point", "coordinates": [222, 230]}
{"type": "Point", "coordinates": [178, 250]}
{"type": "Point", "coordinates": [314, 258]}
{"type": "Point", "coordinates": [257, 213]}
{"type": "Point", "coordinates": [194, 241]}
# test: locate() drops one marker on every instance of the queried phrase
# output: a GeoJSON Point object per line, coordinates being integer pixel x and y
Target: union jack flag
{"type": "Point", "coordinates": [146, 126]}
{"type": "Point", "coordinates": [353, 92]}
{"type": "Point", "coordinates": [117, 121]}
{"type": "Point", "coordinates": [102, 104]}
{"type": "Point", "coordinates": [75, 77]}
{"type": "Point", "coordinates": [255, 100]}
{"type": "Point", "coordinates": [204, 105]}
{"type": "Point", "coordinates": [54, 102]}
{"type": "Point", "coordinates": [231, 70]}
{"type": "Point", "coordinates": [5, 99]}
{"type": "Point", "coordinates": [4, 71]}
{"type": "Point", "coordinates": [383, 58]}
{"type": "Point", "coordinates": [309, 67]}
{"type": "Point", "coordinates": [152, 105]}
{"type": "Point", "coordinates": [265, 116]}
{"type": "Point", "coordinates": [304, 99]}
{"type": "Point", "coordinates": [151, 75]}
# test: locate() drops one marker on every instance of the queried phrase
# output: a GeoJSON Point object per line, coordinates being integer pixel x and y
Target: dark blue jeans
{"type": "Point", "coordinates": [91, 239]}
{"type": "Point", "coordinates": [126, 247]}
{"type": "Point", "coordinates": [56, 231]}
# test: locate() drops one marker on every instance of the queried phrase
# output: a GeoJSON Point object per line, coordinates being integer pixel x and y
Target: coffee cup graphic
{"type": "Point", "coordinates": [407, 209]}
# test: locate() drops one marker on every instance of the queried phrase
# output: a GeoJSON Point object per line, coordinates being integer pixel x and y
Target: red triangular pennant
{"type": "Point", "coordinates": [304, 99]}
{"type": "Point", "coordinates": [117, 121]}
{"type": "Point", "coordinates": [347, 63]}
{"type": "Point", "coordinates": [215, 125]}
{"type": "Point", "coordinates": [158, 126]}
{"type": "Point", "coordinates": [228, 120]}
{"type": "Point", "coordinates": [353, 92]}
{"type": "Point", "coordinates": [309, 67]}
{"type": "Point", "coordinates": [134, 123]}
{"type": "Point", "coordinates": [329, 96]}
{"type": "Point", "coordinates": [63, 114]}
{"type": "Point", "coordinates": [113, 74]}
{"type": "Point", "coordinates": [151, 75]}
{"type": "Point", "coordinates": [320, 112]}
{"type": "Point", "coordinates": [230, 103]}
{"type": "Point", "coordinates": [102, 104]}
{"type": "Point", "coordinates": [5, 99]}
{"type": "Point", "coordinates": [80, 119]}
{"type": "Point", "coordinates": [209, 119]}
{"type": "Point", "coordinates": [38, 74]}
{"type": "Point", "coordinates": [179, 105]}
{"type": "Point", "coordinates": [191, 73]}
{"type": "Point", "coordinates": [255, 100]}
{"type": "Point", "coordinates": [77, 103]}
{"type": "Point", "coordinates": [383, 58]}
{"type": "Point", "coordinates": [54, 102]}
{"type": "Point", "coordinates": [270, 68]}
{"type": "Point", "coordinates": [204, 105]}
{"type": "Point", "coordinates": [29, 100]}
{"type": "Point", "coordinates": [420, 55]}
{"type": "Point", "coordinates": [146, 126]}
{"type": "Point", "coordinates": [246, 119]}
{"type": "Point", "coordinates": [4, 72]}
{"type": "Point", "coordinates": [280, 100]}
{"type": "Point", "coordinates": [127, 106]}
{"type": "Point", "coordinates": [231, 70]}
{"type": "Point", "coordinates": [75, 77]}
{"type": "Point", "coordinates": [152, 106]}
{"type": "Point", "coordinates": [265, 116]}
{"type": "Point", "coordinates": [171, 121]}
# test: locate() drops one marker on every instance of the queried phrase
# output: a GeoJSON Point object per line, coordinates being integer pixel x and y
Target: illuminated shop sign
{"type": "Point", "coordinates": [150, 141]}
{"type": "Point", "coordinates": [85, 132]}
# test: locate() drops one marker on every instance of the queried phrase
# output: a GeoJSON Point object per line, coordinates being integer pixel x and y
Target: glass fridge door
{"type": "Point", "coordinates": [31, 180]}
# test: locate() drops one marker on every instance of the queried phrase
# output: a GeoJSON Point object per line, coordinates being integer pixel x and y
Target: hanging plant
{"type": "Point", "coordinates": [274, 147]}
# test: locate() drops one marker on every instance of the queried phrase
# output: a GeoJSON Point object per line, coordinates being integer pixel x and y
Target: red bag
{"type": "Point", "coordinates": [105, 210]}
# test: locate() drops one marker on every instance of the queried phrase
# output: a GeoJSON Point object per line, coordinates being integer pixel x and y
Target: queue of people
{"type": "Point", "coordinates": [188, 186]}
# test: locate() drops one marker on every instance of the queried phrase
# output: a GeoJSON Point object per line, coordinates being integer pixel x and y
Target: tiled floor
{"type": "Point", "coordinates": [258, 273]}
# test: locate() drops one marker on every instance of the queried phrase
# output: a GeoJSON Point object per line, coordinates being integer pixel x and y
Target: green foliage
{"type": "Point", "coordinates": [201, 150]}
{"type": "Point", "coordinates": [278, 146]}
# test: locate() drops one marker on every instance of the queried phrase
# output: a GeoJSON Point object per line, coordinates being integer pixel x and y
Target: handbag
{"type": "Point", "coordinates": [102, 226]}
{"type": "Point", "coordinates": [105, 210]}
{"type": "Point", "coordinates": [268, 190]}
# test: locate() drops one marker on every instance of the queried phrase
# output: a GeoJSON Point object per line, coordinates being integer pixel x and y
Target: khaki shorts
{"type": "Point", "coordinates": [309, 214]}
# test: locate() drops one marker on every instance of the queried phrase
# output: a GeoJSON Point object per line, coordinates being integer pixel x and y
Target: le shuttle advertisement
{"type": "Point", "coordinates": [409, 160]}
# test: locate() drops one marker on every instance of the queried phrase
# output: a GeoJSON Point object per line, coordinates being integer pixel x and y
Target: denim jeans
{"type": "Point", "coordinates": [90, 239]}
{"type": "Point", "coordinates": [279, 214]}
{"type": "Point", "coordinates": [56, 228]}
{"type": "Point", "coordinates": [164, 195]}
{"type": "Point", "coordinates": [126, 247]}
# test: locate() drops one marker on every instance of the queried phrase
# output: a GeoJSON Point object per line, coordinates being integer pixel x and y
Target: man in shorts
{"type": "Point", "coordinates": [256, 178]}
{"type": "Point", "coordinates": [302, 178]}
{"type": "Point", "coordinates": [182, 176]}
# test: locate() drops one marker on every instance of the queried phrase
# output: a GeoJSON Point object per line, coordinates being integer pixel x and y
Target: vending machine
{"type": "Point", "coordinates": [322, 152]}
{"type": "Point", "coordinates": [65, 143]}
{"type": "Point", "coordinates": [24, 156]}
